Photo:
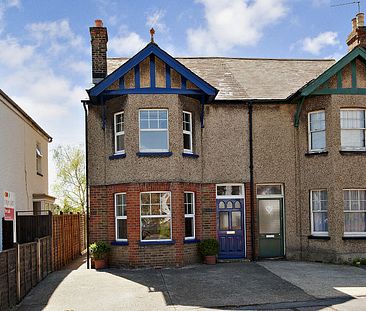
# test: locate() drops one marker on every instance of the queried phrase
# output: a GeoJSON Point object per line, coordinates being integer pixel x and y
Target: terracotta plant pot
{"type": "Point", "coordinates": [210, 260]}
{"type": "Point", "coordinates": [99, 263]}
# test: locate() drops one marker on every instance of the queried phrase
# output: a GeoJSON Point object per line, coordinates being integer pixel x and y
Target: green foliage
{"type": "Point", "coordinates": [70, 186]}
{"type": "Point", "coordinates": [99, 250]}
{"type": "Point", "coordinates": [209, 247]}
{"type": "Point", "coordinates": [359, 261]}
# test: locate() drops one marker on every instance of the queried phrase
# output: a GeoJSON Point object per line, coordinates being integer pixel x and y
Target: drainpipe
{"type": "Point", "coordinates": [251, 172]}
{"type": "Point", "coordinates": [87, 185]}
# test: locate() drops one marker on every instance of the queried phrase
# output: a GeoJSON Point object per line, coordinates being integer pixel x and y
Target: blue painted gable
{"type": "Point", "coordinates": [151, 50]}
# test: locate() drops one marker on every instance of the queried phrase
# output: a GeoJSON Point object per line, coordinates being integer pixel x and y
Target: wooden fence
{"type": "Point", "coordinates": [31, 226]}
{"type": "Point", "coordinates": [68, 232]}
{"type": "Point", "coordinates": [22, 268]}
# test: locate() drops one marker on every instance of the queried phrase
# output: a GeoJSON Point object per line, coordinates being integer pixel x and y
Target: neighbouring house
{"type": "Point", "coordinates": [23, 167]}
{"type": "Point", "coordinates": [266, 155]}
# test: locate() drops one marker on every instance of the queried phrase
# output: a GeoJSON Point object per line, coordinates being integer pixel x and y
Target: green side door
{"type": "Point", "coordinates": [271, 238]}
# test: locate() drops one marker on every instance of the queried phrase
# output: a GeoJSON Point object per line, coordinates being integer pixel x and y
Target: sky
{"type": "Point", "coordinates": [45, 62]}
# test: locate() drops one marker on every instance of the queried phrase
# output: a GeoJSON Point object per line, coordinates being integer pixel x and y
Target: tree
{"type": "Point", "coordinates": [70, 186]}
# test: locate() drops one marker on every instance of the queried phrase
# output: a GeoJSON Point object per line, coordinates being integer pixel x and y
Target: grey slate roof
{"type": "Point", "coordinates": [250, 78]}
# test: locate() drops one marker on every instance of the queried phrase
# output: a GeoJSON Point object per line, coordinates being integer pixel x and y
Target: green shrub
{"type": "Point", "coordinates": [209, 247]}
{"type": "Point", "coordinates": [363, 261]}
{"type": "Point", "coordinates": [356, 261]}
{"type": "Point", "coordinates": [99, 250]}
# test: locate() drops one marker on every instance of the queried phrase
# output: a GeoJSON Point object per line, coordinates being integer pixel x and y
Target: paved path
{"type": "Point", "coordinates": [236, 286]}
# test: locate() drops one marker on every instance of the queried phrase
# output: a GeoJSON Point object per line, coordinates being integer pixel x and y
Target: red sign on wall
{"type": "Point", "coordinates": [9, 214]}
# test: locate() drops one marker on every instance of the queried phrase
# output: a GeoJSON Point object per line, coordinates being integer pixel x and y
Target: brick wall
{"type": "Point", "coordinates": [102, 223]}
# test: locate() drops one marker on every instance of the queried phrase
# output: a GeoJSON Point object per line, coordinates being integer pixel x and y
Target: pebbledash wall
{"type": "Point", "coordinates": [281, 156]}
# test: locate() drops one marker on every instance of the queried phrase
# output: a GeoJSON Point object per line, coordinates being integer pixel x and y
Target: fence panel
{"type": "Point", "coordinates": [68, 238]}
{"type": "Point", "coordinates": [8, 285]}
{"type": "Point", "coordinates": [31, 227]}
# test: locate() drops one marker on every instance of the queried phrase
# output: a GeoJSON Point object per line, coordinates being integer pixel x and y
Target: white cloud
{"type": "Point", "coordinates": [319, 3]}
{"type": "Point", "coordinates": [4, 6]}
{"type": "Point", "coordinates": [316, 44]}
{"type": "Point", "coordinates": [57, 35]}
{"type": "Point", "coordinates": [155, 19]}
{"type": "Point", "coordinates": [13, 54]}
{"type": "Point", "coordinates": [126, 44]}
{"type": "Point", "coordinates": [233, 23]}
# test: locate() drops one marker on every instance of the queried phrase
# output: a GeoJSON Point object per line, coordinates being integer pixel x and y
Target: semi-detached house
{"type": "Point", "coordinates": [266, 155]}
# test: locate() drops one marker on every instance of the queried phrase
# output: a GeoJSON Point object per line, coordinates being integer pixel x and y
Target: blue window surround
{"type": "Point", "coordinates": [119, 243]}
{"type": "Point", "coordinates": [190, 155]}
{"type": "Point", "coordinates": [191, 241]}
{"type": "Point", "coordinates": [117, 156]}
{"type": "Point", "coordinates": [143, 243]}
{"type": "Point", "coordinates": [155, 154]}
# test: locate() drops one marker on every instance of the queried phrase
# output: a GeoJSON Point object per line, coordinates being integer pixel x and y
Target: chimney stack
{"type": "Point", "coordinates": [99, 39]}
{"type": "Point", "coordinates": [358, 35]}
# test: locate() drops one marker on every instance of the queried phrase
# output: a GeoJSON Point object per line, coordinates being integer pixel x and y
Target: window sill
{"type": "Point", "coordinates": [191, 241]}
{"type": "Point", "coordinates": [316, 153]}
{"type": "Point", "coordinates": [155, 154]}
{"type": "Point", "coordinates": [143, 243]}
{"type": "Point", "coordinates": [190, 155]}
{"type": "Point", "coordinates": [352, 152]}
{"type": "Point", "coordinates": [119, 243]}
{"type": "Point", "coordinates": [319, 237]}
{"type": "Point", "coordinates": [117, 156]}
{"type": "Point", "coordinates": [40, 174]}
{"type": "Point", "coordinates": [363, 237]}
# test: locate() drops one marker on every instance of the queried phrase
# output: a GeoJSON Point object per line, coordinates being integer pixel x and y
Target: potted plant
{"type": "Point", "coordinates": [209, 249]}
{"type": "Point", "coordinates": [99, 252]}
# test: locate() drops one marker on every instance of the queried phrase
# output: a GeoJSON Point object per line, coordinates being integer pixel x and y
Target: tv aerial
{"type": "Point", "coordinates": [349, 3]}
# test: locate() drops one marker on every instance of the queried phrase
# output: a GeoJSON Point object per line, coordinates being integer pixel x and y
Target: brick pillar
{"type": "Point", "coordinates": [208, 204]}
{"type": "Point", "coordinates": [99, 39]}
{"type": "Point", "coordinates": [178, 222]}
{"type": "Point", "coordinates": [133, 226]}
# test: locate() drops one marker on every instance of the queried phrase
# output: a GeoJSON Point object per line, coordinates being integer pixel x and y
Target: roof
{"type": "Point", "coordinates": [24, 114]}
{"type": "Point", "coordinates": [151, 50]}
{"type": "Point", "coordinates": [250, 78]}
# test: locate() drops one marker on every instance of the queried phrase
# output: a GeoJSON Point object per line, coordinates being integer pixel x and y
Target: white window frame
{"type": "Point", "coordinates": [190, 215]}
{"type": "Point", "coordinates": [117, 134]}
{"type": "Point", "coordinates": [269, 195]}
{"type": "Point", "coordinates": [39, 157]}
{"type": "Point", "coordinates": [350, 148]}
{"type": "Point", "coordinates": [317, 233]}
{"type": "Point", "coordinates": [119, 217]}
{"type": "Point", "coordinates": [190, 133]}
{"type": "Point", "coordinates": [154, 130]}
{"type": "Point", "coordinates": [316, 131]}
{"type": "Point", "coordinates": [157, 216]}
{"type": "Point", "coordinates": [240, 196]}
{"type": "Point", "coordinates": [349, 211]}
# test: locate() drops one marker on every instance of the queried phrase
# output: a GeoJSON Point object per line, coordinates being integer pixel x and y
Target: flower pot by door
{"type": "Point", "coordinates": [210, 260]}
{"type": "Point", "coordinates": [99, 264]}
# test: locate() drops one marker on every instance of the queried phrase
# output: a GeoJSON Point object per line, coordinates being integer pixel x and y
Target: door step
{"type": "Point", "coordinates": [233, 260]}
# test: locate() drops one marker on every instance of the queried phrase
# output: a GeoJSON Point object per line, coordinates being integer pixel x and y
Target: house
{"type": "Point", "coordinates": [23, 167]}
{"type": "Point", "coordinates": [266, 155]}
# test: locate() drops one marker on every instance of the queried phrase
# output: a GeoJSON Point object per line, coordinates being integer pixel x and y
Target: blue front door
{"type": "Point", "coordinates": [230, 228]}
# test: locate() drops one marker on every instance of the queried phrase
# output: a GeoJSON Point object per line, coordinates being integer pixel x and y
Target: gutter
{"type": "Point", "coordinates": [85, 103]}
{"type": "Point", "coordinates": [251, 173]}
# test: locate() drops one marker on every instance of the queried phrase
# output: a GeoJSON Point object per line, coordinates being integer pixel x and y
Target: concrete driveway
{"type": "Point", "coordinates": [244, 286]}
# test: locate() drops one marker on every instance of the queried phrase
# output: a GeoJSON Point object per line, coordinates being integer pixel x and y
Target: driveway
{"type": "Point", "coordinates": [244, 286]}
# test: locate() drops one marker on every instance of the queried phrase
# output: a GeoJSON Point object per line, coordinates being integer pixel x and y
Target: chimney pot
{"type": "Point", "coordinates": [98, 23]}
{"type": "Point", "coordinates": [354, 24]}
{"type": "Point", "coordinates": [360, 20]}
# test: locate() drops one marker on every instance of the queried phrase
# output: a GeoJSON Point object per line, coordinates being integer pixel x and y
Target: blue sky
{"type": "Point", "coordinates": [45, 44]}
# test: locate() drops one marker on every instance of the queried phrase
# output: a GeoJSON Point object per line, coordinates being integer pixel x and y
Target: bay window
{"type": "Point", "coordinates": [319, 212]}
{"type": "Point", "coordinates": [354, 201]}
{"type": "Point", "coordinates": [189, 213]}
{"type": "Point", "coordinates": [120, 216]}
{"type": "Point", "coordinates": [154, 130]}
{"type": "Point", "coordinates": [316, 131]}
{"type": "Point", "coordinates": [119, 133]}
{"type": "Point", "coordinates": [353, 129]}
{"type": "Point", "coordinates": [155, 208]}
{"type": "Point", "coordinates": [187, 132]}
